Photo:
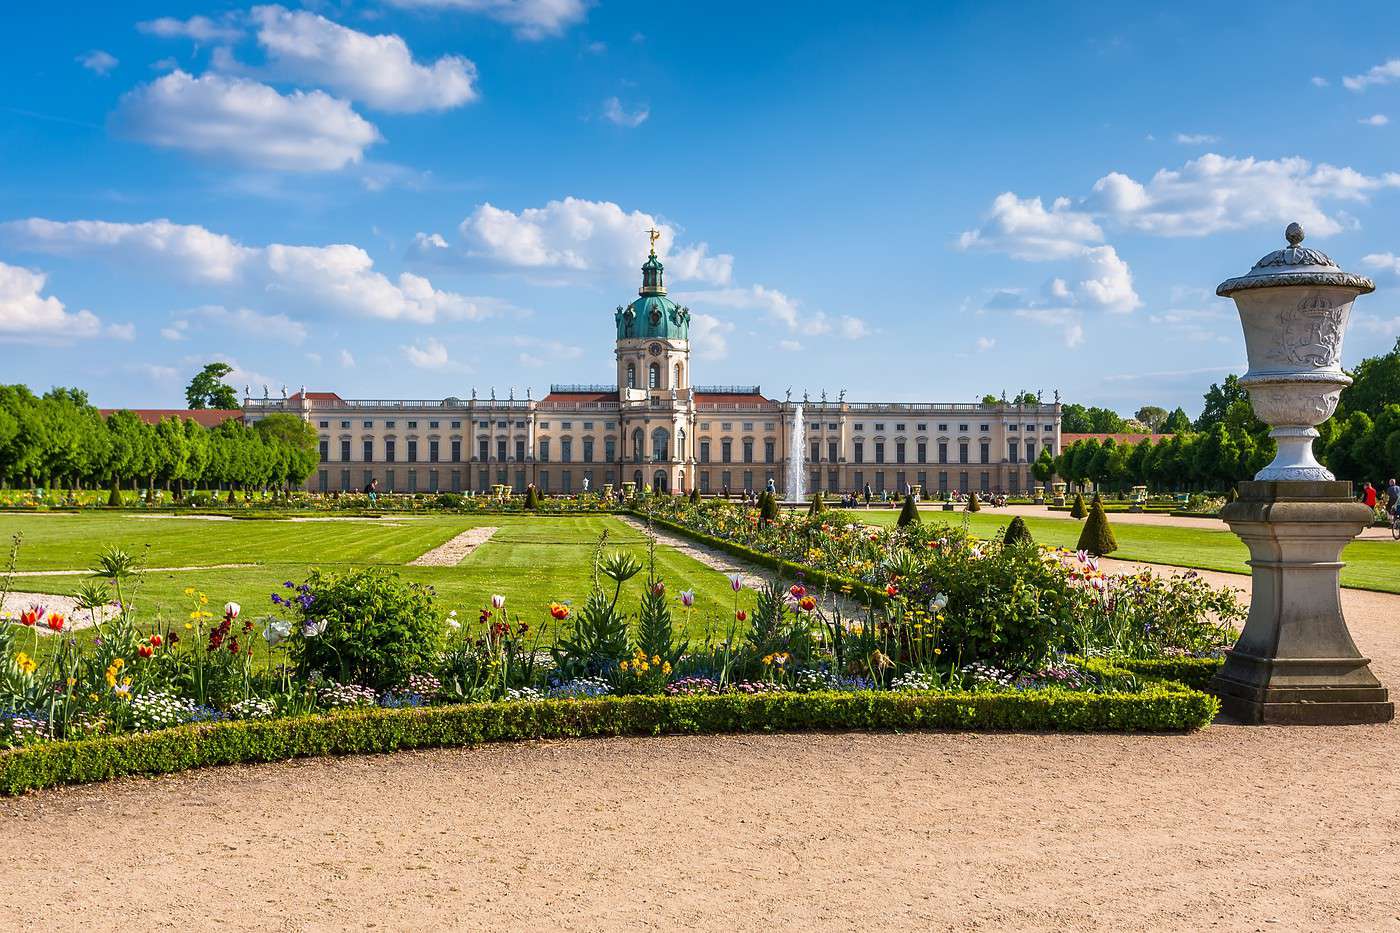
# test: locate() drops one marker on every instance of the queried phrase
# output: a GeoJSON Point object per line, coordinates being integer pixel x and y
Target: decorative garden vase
{"type": "Point", "coordinates": [1294, 305]}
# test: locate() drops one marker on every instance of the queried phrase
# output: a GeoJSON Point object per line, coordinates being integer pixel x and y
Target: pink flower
{"type": "Point", "coordinates": [687, 598]}
{"type": "Point", "coordinates": [498, 601]}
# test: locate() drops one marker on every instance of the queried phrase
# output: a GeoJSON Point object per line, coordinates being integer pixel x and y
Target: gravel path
{"type": "Point", "coordinates": [452, 552]}
{"type": "Point", "coordinates": [1232, 828]}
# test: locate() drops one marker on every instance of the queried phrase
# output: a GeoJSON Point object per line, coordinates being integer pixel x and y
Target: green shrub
{"type": "Point", "coordinates": [449, 500]}
{"type": "Point", "coordinates": [767, 507]}
{"type": "Point", "coordinates": [972, 504]}
{"type": "Point", "coordinates": [532, 499]}
{"type": "Point", "coordinates": [695, 495]}
{"type": "Point", "coordinates": [1079, 509]}
{"type": "Point", "coordinates": [378, 629]}
{"type": "Point", "coordinates": [1097, 537]}
{"type": "Point", "coordinates": [1154, 707]}
{"type": "Point", "coordinates": [1017, 533]}
{"type": "Point", "coordinates": [909, 515]}
{"type": "Point", "coordinates": [597, 641]}
{"type": "Point", "coordinates": [114, 496]}
{"type": "Point", "coordinates": [818, 505]}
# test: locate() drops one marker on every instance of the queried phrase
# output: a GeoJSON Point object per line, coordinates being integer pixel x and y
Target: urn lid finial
{"type": "Point", "coordinates": [1295, 265]}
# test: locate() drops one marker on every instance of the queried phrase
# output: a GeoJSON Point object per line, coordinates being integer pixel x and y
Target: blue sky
{"type": "Point", "coordinates": [409, 198]}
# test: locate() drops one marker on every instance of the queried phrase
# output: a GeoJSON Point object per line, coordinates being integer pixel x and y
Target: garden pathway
{"type": "Point", "coordinates": [751, 575]}
{"type": "Point", "coordinates": [452, 552]}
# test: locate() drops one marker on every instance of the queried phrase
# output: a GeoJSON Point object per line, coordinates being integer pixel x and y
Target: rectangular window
{"type": "Point", "coordinates": [963, 485]}
{"type": "Point", "coordinates": [568, 482]}
{"type": "Point", "coordinates": [323, 481]}
{"type": "Point", "coordinates": [768, 452]}
{"type": "Point", "coordinates": [432, 451]}
{"type": "Point", "coordinates": [566, 452]}
{"type": "Point", "coordinates": [832, 451]}
{"type": "Point", "coordinates": [389, 450]}
{"type": "Point", "coordinates": [943, 483]}
{"type": "Point", "coordinates": [748, 425]}
{"type": "Point", "coordinates": [413, 424]}
{"type": "Point", "coordinates": [520, 451]}
{"type": "Point", "coordinates": [456, 480]}
{"type": "Point", "coordinates": [388, 481]}
{"type": "Point", "coordinates": [942, 451]}
{"type": "Point", "coordinates": [544, 449]}
{"type": "Point", "coordinates": [325, 449]}
{"type": "Point", "coordinates": [344, 480]}
{"type": "Point", "coordinates": [922, 452]}
{"type": "Point", "coordinates": [704, 481]}
{"type": "Point", "coordinates": [567, 425]}
{"type": "Point", "coordinates": [456, 424]}
{"type": "Point", "coordinates": [879, 481]}
{"type": "Point", "coordinates": [726, 481]}
{"type": "Point", "coordinates": [986, 482]}
{"type": "Point", "coordinates": [860, 452]}
{"type": "Point", "coordinates": [1030, 451]}
{"type": "Point", "coordinates": [432, 481]}
{"type": "Point", "coordinates": [899, 452]}
{"type": "Point", "coordinates": [484, 453]}
{"type": "Point", "coordinates": [748, 479]}
{"type": "Point", "coordinates": [984, 428]}
{"type": "Point", "coordinates": [369, 424]}
{"type": "Point", "coordinates": [704, 451]}
{"type": "Point", "coordinates": [985, 449]}
{"type": "Point", "coordinates": [816, 454]}
{"type": "Point", "coordinates": [388, 424]}
{"type": "Point", "coordinates": [324, 424]}
{"type": "Point", "coordinates": [456, 451]}
{"type": "Point", "coordinates": [588, 450]}
{"type": "Point", "coordinates": [412, 480]}
{"type": "Point", "coordinates": [962, 452]}
{"type": "Point", "coordinates": [879, 451]}
{"type": "Point", "coordinates": [501, 450]}
{"type": "Point", "coordinates": [833, 480]}
{"type": "Point", "coordinates": [859, 481]}
{"type": "Point", "coordinates": [726, 450]}
{"type": "Point", "coordinates": [369, 477]}
{"type": "Point", "coordinates": [544, 481]}
{"type": "Point", "coordinates": [432, 424]}
{"type": "Point", "coordinates": [1013, 451]}
{"type": "Point", "coordinates": [610, 449]}
{"type": "Point", "coordinates": [412, 451]}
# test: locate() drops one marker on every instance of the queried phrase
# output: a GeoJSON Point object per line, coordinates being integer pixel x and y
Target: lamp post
{"type": "Point", "coordinates": [1295, 661]}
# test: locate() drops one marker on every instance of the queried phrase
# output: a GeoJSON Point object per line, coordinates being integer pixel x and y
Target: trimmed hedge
{"type": "Point", "coordinates": [1157, 707]}
{"type": "Point", "coordinates": [813, 576]}
{"type": "Point", "coordinates": [1195, 673]}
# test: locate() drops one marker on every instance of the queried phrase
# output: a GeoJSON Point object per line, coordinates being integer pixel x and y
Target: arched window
{"type": "Point", "coordinates": [680, 443]}
{"type": "Point", "coordinates": [654, 376]}
{"type": "Point", "coordinates": [631, 375]}
{"type": "Point", "coordinates": [660, 444]}
{"type": "Point", "coordinates": [637, 440]}
{"type": "Point", "coordinates": [679, 382]}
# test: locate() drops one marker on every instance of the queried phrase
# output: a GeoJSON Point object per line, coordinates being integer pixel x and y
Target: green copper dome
{"type": "Point", "coordinates": [653, 315]}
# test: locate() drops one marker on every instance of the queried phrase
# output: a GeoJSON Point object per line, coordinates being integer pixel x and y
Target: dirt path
{"type": "Point", "coordinates": [1232, 828]}
{"type": "Point", "coordinates": [452, 552]}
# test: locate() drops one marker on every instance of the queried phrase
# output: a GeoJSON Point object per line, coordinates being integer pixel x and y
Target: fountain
{"type": "Point", "coordinates": [794, 491]}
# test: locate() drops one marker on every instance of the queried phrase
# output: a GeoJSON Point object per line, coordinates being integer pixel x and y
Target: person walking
{"type": "Point", "coordinates": [1392, 496]}
{"type": "Point", "coordinates": [1368, 495]}
{"type": "Point", "coordinates": [867, 495]}
{"type": "Point", "coordinates": [372, 490]}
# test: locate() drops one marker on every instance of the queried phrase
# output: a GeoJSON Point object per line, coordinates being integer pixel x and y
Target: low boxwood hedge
{"type": "Point", "coordinates": [1156, 707]}
{"type": "Point", "coordinates": [811, 576]}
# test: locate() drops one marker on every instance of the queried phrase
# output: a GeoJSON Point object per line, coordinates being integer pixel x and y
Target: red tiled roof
{"type": "Point", "coordinates": [209, 417]}
{"type": "Point", "coordinates": [316, 397]}
{"type": "Point", "coordinates": [1120, 439]}
{"type": "Point", "coordinates": [730, 401]}
{"type": "Point", "coordinates": [572, 398]}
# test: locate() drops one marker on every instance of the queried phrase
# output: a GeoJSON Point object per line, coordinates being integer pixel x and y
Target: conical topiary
{"type": "Point", "coordinates": [909, 515]}
{"type": "Point", "coordinates": [972, 504]}
{"type": "Point", "coordinates": [1017, 532]}
{"type": "Point", "coordinates": [1097, 537]}
{"type": "Point", "coordinates": [1079, 509]}
{"type": "Point", "coordinates": [114, 498]}
{"type": "Point", "coordinates": [694, 496]}
{"type": "Point", "coordinates": [767, 508]}
{"type": "Point", "coordinates": [818, 505]}
{"type": "Point", "coordinates": [532, 499]}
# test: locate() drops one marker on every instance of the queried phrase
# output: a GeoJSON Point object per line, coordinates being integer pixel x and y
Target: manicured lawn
{"type": "Point", "coordinates": [1371, 565]}
{"type": "Point", "coordinates": [530, 560]}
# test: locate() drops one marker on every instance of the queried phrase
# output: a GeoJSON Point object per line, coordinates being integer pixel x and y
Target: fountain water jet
{"type": "Point", "coordinates": [795, 491]}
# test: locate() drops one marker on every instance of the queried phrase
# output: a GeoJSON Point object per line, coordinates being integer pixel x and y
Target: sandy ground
{"type": "Point", "coordinates": [456, 549]}
{"type": "Point", "coordinates": [1232, 828]}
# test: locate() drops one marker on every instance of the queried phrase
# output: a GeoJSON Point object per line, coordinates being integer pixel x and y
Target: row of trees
{"type": "Point", "coordinates": [1227, 443]}
{"type": "Point", "coordinates": [59, 440]}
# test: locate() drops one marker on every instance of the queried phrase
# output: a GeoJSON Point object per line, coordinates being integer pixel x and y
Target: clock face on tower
{"type": "Point", "coordinates": [655, 349]}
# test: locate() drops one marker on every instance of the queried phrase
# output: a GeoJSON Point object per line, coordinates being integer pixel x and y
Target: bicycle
{"type": "Point", "coordinates": [1395, 524]}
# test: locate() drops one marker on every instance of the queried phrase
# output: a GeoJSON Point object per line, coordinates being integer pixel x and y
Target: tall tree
{"type": "Point", "coordinates": [1152, 416]}
{"type": "Point", "coordinates": [208, 390]}
{"type": "Point", "coordinates": [1177, 422]}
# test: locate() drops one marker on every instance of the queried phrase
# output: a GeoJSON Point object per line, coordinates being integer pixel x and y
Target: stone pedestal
{"type": "Point", "coordinates": [1295, 662]}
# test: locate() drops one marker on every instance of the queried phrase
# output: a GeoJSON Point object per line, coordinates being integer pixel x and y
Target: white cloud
{"type": "Point", "coordinates": [1196, 139]}
{"type": "Point", "coordinates": [531, 19]}
{"type": "Point", "coordinates": [98, 61]}
{"type": "Point", "coordinates": [376, 70]}
{"type": "Point", "coordinates": [790, 346]}
{"type": "Point", "coordinates": [425, 243]}
{"type": "Point", "coordinates": [176, 330]}
{"type": "Point", "coordinates": [1319, 81]}
{"type": "Point", "coordinates": [25, 314]}
{"type": "Point", "coordinates": [153, 372]}
{"type": "Point", "coordinates": [1385, 262]}
{"type": "Point", "coordinates": [614, 112]}
{"type": "Point", "coordinates": [430, 354]}
{"type": "Point", "coordinates": [1385, 73]}
{"type": "Point", "coordinates": [314, 358]}
{"type": "Point", "coordinates": [347, 359]}
{"type": "Point", "coordinates": [579, 235]}
{"type": "Point", "coordinates": [1024, 229]}
{"type": "Point", "coordinates": [985, 343]}
{"type": "Point", "coordinates": [770, 301]}
{"type": "Point", "coordinates": [852, 328]}
{"type": "Point", "coordinates": [250, 323]}
{"type": "Point", "coordinates": [1066, 322]}
{"type": "Point", "coordinates": [1375, 119]}
{"type": "Point", "coordinates": [1101, 282]}
{"type": "Point", "coordinates": [708, 336]}
{"type": "Point", "coordinates": [1215, 193]}
{"type": "Point", "coordinates": [120, 331]}
{"type": "Point", "coordinates": [198, 28]}
{"type": "Point", "coordinates": [1107, 281]}
{"type": "Point", "coordinates": [245, 121]}
{"type": "Point", "coordinates": [1199, 325]}
{"type": "Point", "coordinates": [339, 278]}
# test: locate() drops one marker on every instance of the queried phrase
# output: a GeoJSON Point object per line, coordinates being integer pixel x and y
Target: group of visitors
{"type": "Point", "coordinates": [1392, 496]}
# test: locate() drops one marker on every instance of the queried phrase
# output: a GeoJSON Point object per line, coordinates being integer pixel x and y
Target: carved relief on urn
{"type": "Point", "coordinates": [1293, 306]}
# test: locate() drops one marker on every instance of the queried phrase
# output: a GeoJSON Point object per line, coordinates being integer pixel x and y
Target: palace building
{"type": "Point", "coordinates": [654, 426]}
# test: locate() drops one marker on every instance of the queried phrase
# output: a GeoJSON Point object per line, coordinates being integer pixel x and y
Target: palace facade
{"type": "Point", "coordinates": [655, 426]}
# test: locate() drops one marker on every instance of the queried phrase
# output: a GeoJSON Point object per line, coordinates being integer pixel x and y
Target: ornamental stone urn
{"type": "Point", "coordinates": [1295, 661]}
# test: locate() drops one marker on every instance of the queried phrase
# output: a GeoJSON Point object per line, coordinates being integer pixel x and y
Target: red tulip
{"type": "Point", "coordinates": [155, 640]}
{"type": "Point", "coordinates": [741, 615]}
{"type": "Point", "coordinates": [56, 621]}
